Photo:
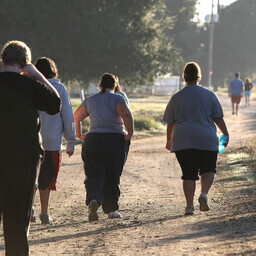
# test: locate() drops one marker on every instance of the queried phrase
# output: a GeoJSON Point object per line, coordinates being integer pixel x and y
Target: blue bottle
{"type": "Point", "coordinates": [222, 140]}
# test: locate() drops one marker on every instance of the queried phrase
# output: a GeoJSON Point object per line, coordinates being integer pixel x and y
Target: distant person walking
{"type": "Point", "coordinates": [105, 146]}
{"type": "Point", "coordinates": [120, 91]}
{"type": "Point", "coordinates": [247, 91]}
{"type": "Point", "coordinates": [24, 91]}
{"type": "Point", "coordinates": [52, 129]}
{"type": "Point", "coordinates": [236, 90]}
{"type": "Point", "coordinates": [191, 115]}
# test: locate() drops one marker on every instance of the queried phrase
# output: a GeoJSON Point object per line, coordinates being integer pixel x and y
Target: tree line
{"type": "Point", "coordinates": [133, 39]}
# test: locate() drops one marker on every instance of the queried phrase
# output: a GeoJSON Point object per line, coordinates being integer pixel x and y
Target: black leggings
{"type": "Point", "coordinates": [104, 156]}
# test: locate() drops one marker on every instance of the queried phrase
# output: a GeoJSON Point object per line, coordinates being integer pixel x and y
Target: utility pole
{"type": "Point", "coordinates": [210, 49]}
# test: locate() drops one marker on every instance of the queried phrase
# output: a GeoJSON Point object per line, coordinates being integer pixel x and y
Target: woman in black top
{"type": "Point", "coordinates": [23, 91]}
{"type": "Point", "coordinates": [247, 91]}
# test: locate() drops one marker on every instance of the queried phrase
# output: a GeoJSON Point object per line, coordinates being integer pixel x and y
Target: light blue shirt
{"type": "Point", "coordinates": [53, 127]}
{"type": "Point", "coordinates": [236, 86]}
{"type": "Point", "coordinates": [102, 110]}
{"type": "Point", "coordinates": [192, 111]}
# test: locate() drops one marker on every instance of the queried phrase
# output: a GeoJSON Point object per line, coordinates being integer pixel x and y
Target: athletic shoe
{"type": "Point", "coordinates": [203, 205]}
{"type": "Point", "coordinates": [33, 216]}
{"type": "Point", "coordinates": [45, 218]}
{"type": "Point", "coordinates": [114, 215]}
{"type": "Point", "coordinates": [189, 210]}
{"type": "Point", "coordinates": [93, 207]}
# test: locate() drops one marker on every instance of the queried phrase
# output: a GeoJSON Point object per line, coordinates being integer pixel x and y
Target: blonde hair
{"type": "Point", "coordinates": [16, 52]}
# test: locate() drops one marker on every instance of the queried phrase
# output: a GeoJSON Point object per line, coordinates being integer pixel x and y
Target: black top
{"type": "Point", "coordinates": [248, 86]}
{"type": "Point", "coordinates": [20, 99]}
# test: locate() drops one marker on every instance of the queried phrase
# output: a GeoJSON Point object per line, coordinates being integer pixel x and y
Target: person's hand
{"type": "Point", "coordinates": [225, 144]}
{"type": "Point", "coordinates": [82, 136]}
{"type": "Point", "coordinates": [127, 137]}
{"type": "Point", "coordinates": [70, 153]}
{"type": "Point", "coordinates": [168, 144]}
{"type": "Point", "coordinates": [30, 70]}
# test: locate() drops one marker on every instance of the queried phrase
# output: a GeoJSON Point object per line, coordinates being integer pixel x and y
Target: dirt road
{"type": "Point", "coordinates": [152, 205]}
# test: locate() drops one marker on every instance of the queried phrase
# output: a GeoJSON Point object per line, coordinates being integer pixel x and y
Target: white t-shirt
{"type": "Point", "coordinates": [192, 111]}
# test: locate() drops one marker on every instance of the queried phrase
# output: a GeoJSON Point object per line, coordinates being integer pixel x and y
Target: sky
{"type": "Point", "coordinates": [205, 6]}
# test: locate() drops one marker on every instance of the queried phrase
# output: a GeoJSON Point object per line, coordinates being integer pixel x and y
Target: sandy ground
{"type": "Point", "coordinates": [152, 205]}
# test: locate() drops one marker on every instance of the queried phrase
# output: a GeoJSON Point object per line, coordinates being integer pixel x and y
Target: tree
{"type": "Point", "coordinates": [234, 44]}
{"type": "Point", "coordinates": [89, 37]}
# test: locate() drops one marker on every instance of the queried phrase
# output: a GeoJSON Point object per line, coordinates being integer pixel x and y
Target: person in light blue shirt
{"type": "Point", "coordinates": [120, 91]}
{"type": "Point", "coordinates": [236, 90]}
{"type": "Point", "coordinates": [52, 130]}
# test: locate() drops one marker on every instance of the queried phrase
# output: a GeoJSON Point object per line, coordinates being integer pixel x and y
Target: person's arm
{"type": "Point", "coordinates": [125, 113]}
{"type": "Point", "coordinates": [169, 130]}
{"type": "Point", "coordinates": [223, 128]}
{"type": "Point", "coordinates": [42, 94]}
{"type": "Point", "coordinates": [229, 90]}
{"type": "Point", "coordinates": [79, 115]}
{"type": "Point", "coordinates": [67, 121]}
{"type": "Point", "coordinates": [33, 72]}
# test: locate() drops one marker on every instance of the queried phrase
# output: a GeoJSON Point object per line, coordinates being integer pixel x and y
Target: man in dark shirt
{"type": "Point", "coordinates": [23, 91]}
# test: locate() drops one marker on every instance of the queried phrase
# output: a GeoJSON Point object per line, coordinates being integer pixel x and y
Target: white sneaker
{"type": "Point", "coordinates": [114, 215]}
{"type": "Point", "coordinates": [45, 218]}
{"type": "Point", "coordinates": [33, 215]}
{"type": "Point", "coordinates": [93, 207]}
{"type": "Point", "coordinates": [203, 205]}
{"type": "Point", "coordinates": [189, 210]}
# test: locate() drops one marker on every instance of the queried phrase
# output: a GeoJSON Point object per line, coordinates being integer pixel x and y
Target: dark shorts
{"type": "Point", "coordinates": [49, 170]}
{"type": "Point", "coordinates": [195, 161]}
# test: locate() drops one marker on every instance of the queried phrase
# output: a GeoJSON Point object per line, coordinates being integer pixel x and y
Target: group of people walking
{"type": "Point", "coordinates": [238, 89]}
{"type": "Point", "coordinates": [36, 104]}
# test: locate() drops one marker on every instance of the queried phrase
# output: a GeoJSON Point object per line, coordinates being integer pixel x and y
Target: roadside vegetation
{"type": "Point", "coordinates": [147, 112]}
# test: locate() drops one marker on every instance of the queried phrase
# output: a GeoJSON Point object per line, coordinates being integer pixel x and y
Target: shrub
{"type": "Point", "coordinates": [146, 123]}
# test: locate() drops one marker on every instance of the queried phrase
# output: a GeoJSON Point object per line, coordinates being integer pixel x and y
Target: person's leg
{"type": "Point", "coordinates": [94, 168]}
{"type": "Point", "coordinates": [208, 161]}
{"type": "Point", "coordinates": [188, 161]}
{"type": "Point", "coordinates": [233, 107]}
{"type": "Point", "coordinates": [189, 187]}
{"type": "Point", "coordinates": [116, 154]}
{"type": "Point", "coordinates": [20, 179]}
{"type": "Point", "coordinates": [207, 179]}
{"type": "Point", "coordinates": [47, 181]}
{"type": "Point", "coordinates": [237, 107]}
{"type": "Point", "coordinates": [44, 199]}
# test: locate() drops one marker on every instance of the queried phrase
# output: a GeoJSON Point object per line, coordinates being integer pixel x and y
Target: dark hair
{"type": "Point", "coordinates": [118, 86]}
{"type": "Point", "coordinates": [248, 80]}
{"type": "Point", "coordinates": [16, 53]}
{"type": "Point", "coordinates": [237, 74]}
{"type": "Point", "coordinates": [192, 72]}
{"type": "Point", "coordinates": [107, 81]}
{"type": "Point", "coordinates": [47, 67]}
